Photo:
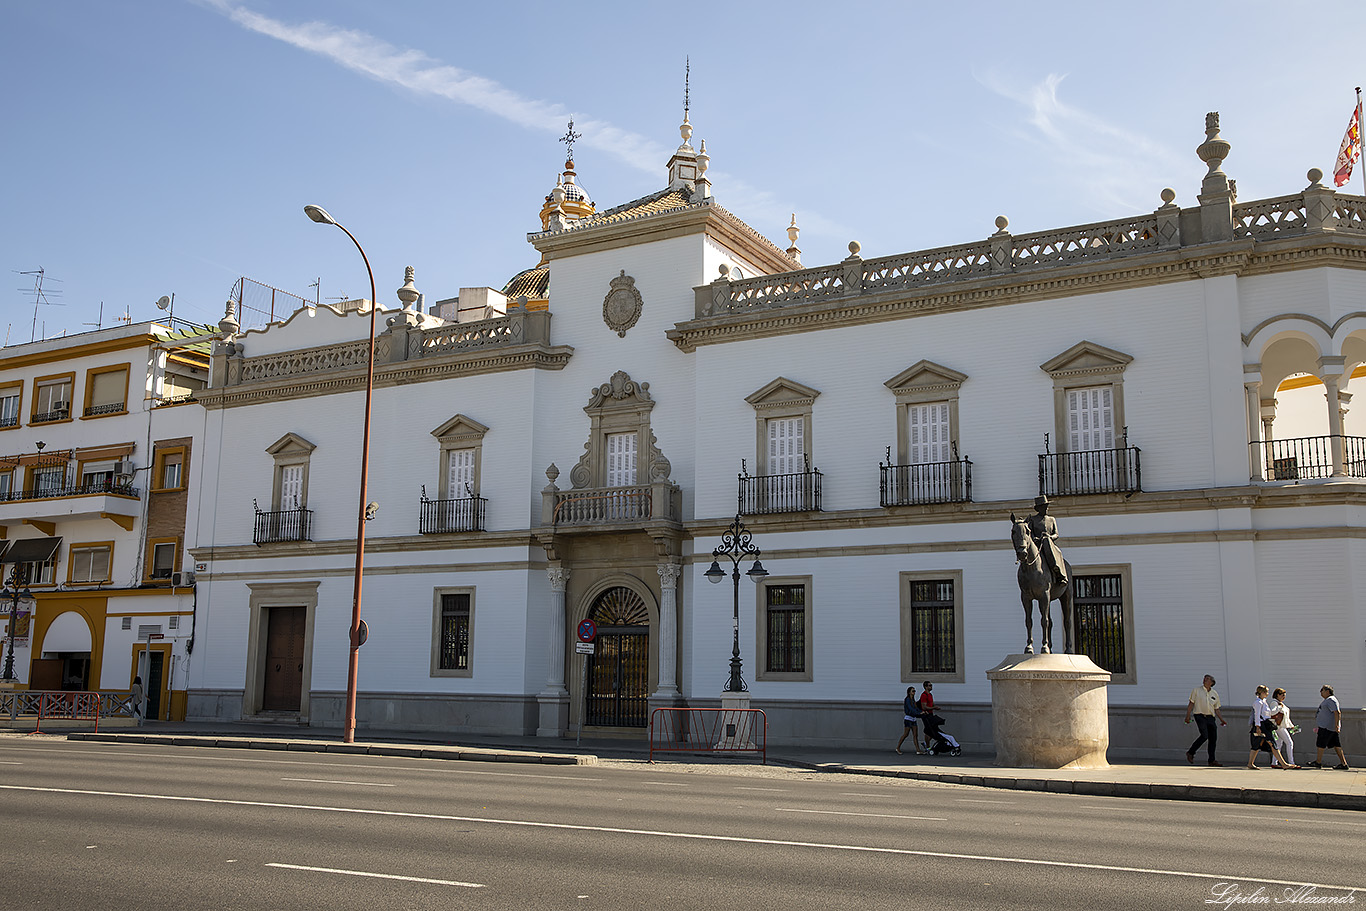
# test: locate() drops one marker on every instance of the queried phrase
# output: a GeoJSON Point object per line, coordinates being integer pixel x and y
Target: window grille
{"type": "Point", "coordinates": [785, 616]}
{"type": "Point", "coordinates": [1098, 603]}
{"type": "Point", "coordinates": [932, 627]}
{"type": "Point", "coordinates": [455, 632]}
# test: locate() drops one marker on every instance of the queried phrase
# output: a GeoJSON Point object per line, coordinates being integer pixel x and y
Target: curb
{"type": "Point", "coordinates": [459, 754]}
{"type": "Point", "coordinates": [1258, 796]}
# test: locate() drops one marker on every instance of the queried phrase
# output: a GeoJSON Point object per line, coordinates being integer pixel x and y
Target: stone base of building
{"type": "Point", "coordinates": [1049, 712]}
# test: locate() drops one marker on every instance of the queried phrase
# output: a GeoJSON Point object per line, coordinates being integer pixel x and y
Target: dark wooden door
{"type": "Point", "coordinates": [155, 663]}
{"type": "Point", "coordinates": [284, 673]}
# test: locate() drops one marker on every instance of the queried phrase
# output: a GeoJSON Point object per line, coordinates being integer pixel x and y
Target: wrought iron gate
{"type": "Point", "coordinates": [619, 668]}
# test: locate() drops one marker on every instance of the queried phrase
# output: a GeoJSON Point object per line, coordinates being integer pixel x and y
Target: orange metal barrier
{"type": "Point", "coordinates": [709, 731]}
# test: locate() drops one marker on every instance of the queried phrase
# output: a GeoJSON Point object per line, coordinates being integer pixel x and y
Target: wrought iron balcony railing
{"type": "Point", "coordinates": [82, 490]}
{"type": "Point", "coordinates": [774, 493]}
{"type": "Point", "coordinates": [57, 414]}
{"type": "Point", "coordinates": [112, 408]}
{"type": "Point", "coordinates": [1117, 470]}
{"type": "Point", "coordinates": [283, 525]}
{"type": "Point", "coordinates": [926, 482]}
{"type": "Point", "coordinates": [440, 517]}
{"type": "Point", "coordinates": [1304, 458]}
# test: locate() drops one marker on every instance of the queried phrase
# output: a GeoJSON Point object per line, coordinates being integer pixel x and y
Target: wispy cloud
{"type": "Point", "coordinates": [419, 73]}
{"type": "Point", "coordinates": [1115, 167]}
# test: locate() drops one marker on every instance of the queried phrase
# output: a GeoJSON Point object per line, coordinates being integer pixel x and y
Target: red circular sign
{"type": "Point", "coordinates": [588, 630]}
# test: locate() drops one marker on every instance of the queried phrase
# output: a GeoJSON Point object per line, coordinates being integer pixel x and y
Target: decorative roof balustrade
{"type": "Point", "coordinates": [926, 267]}
{"type": "Point", "coordinates": [1101, 240]}
{"type": "Point", "coordinates": [488, 333]}
{"type": "Point", "coordinates": [310, 360]}
{"type": "Point", "coordinates": [1265, 218]}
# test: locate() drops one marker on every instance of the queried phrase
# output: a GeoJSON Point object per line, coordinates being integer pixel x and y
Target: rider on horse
{"type": "Point", "coordinates": [1043, 528]}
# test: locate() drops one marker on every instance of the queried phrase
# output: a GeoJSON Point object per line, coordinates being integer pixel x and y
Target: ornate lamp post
{"type": "Point", "coordinates": [736, 544]}
{"type": "Point", "coordinates": [353, 667]}
{"type": "Point", "coordinates": [13, 595]}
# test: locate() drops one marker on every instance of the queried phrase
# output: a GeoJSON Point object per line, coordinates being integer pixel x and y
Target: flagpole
{"type": "Point", "coordinates": [1359, 127]}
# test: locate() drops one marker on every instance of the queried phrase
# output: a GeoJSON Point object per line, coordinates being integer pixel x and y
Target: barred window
{"type": "Point", "coordinates": [1099, 611]}
{"type": "Point", "coordinates": [455, 632]}
{"type": "Point", "coordinates": [932, 626]}
{"type": "Point", "coordinates": [785, 614]}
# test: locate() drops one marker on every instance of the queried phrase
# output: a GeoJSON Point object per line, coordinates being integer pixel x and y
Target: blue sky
{"type": "Point", "coordinates": [170, 145]}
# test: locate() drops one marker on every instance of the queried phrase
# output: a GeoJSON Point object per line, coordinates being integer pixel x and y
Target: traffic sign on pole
{"type": "Point", "coordinates": [588, 630]}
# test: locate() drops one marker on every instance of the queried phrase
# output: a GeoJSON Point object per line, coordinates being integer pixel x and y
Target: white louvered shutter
{"type": "Point", "coordinates": [291, 486]}
{"type": "Point", "coordinates": [928, 431]}
{"type": "Point", "coordinates": [460, 474]}
{"type": "Point", "coordinates": [621, 459]}
{"type": "Point", "coordinates": [786, 445]}
{"type": "Point", "coordinates": [1090, 418]}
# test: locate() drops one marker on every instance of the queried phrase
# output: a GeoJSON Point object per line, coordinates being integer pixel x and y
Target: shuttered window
{"type": "Point", "coordinates": [1090, 418]}
{"type": "Point", "coordinates": [108, 388]}
{"type": "Point", "coordinates": [928, 431]}
{"type": "Point", "coordinates": [291, 486]}
{"type": "Point", "coordinates": [90, 564]}
{"type": "Point", "coordinates": [786, 446]}
{"type": "Point", "coordinates": [460, 474]}
{"type": "Point", "coordinates": [621, 459]}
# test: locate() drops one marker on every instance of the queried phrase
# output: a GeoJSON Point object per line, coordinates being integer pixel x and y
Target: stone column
{"type": "Point", "coordinates": [1253, 395]}
{"type": "Point", "coordinates": [668, 630]}
{"type": "Point", "coordinates": [1331, 369]}
{"type": "Point", "coordinates": [554, 699]}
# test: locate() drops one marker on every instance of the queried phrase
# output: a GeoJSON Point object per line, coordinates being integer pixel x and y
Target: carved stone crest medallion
{"type": "Point", "coordinates": [621, 306]}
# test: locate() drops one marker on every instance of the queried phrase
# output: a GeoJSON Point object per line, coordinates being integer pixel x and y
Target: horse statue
{"type": "Point", "coordinates": [1038, 586]}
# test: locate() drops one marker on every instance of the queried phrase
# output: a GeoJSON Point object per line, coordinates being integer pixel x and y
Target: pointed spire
{"type": "Point", "coordinates": [683, 171]}
{"type": "Point", "coordinates": [568, 202]}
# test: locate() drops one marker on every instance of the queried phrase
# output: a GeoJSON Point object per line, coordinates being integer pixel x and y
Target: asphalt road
{"type": "Point", "coordinates": [122, 826]}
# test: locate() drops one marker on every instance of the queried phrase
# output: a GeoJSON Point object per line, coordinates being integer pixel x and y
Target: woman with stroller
{"type": "Point", "coordinates": [911, 711]}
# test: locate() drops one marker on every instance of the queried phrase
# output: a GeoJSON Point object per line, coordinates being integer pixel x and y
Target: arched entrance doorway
{"type": "Point", "coordinates": [619, 668]}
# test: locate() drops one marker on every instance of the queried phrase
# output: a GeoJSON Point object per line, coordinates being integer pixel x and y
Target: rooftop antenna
{"type": "Point", "coordinates": [127, 317]}
{"type": "Point", "coordinates": [317, 289]}
{"type": "Point", "coordinates": [41, 295]}
{"type": "Point", "coordinates": [99, 323]}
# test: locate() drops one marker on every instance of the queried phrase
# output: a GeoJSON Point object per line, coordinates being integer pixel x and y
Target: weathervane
{"type": "Point", "coordinates": [568, 139]}
{"type": "Point", "coordinates": [687, 76]}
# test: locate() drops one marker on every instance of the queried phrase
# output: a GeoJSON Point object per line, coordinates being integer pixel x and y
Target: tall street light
{"type": "Point", "coordinates": [736, 544]}
{"type": "Point", "coordinates": [13, 595]}
{"type": "Point", "coordinates": [353, 667]}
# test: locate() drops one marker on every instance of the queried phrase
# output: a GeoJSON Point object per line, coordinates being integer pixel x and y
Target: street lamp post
{"type": "Point", "coordinates": [736, 544]}
{"type": "Point", "coordinates": [13, 596]}
{"type": "Point", "coordinates": [353, 667]}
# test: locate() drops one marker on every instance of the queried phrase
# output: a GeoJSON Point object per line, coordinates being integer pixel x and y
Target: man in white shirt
{"type": "Point", "coordinates": [1204, 705]}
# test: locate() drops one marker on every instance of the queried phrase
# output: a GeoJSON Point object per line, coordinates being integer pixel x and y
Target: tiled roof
{"type": "Point", "coordinates": [663, 201]}
{"type": "Point", "coordinates": [533, 282]}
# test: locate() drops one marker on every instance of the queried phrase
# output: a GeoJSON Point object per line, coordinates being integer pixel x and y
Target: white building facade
{"type": "Point", "coordinates": [575, 449]}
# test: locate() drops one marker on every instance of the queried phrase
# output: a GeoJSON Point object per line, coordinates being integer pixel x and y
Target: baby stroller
{"type": "Point", "coordinates": [940, 743]}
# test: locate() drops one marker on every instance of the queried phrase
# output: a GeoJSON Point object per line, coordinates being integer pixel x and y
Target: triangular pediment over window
{"type": "Point", "coordinates": [782, 392]}
{"type": "Point", "coordinates": [290, 443]}
{"type": "Point", "coordinates": [1085, 358]}
{"type": "Point", "coordinates": [460, 429]}
{"type": "Point", "coordinates": [926, 376]}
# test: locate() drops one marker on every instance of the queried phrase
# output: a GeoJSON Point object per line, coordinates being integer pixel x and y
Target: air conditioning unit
{"type": "Point", "coordinates": [179, 580]}
{"type": "Point", "coordinates": [123, 468]}
{"type": "Point", "coordinates": [61, 406]}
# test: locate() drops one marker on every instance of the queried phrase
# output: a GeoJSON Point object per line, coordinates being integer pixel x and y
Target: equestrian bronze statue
{"type": "Point", "coordinates": [1044, 575]}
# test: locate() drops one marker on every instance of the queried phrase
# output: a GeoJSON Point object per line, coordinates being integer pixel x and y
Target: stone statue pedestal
{"type": "Point", "coordinates": [736, 726]}
{"type": "Point", "coordinates": [1050, 712]}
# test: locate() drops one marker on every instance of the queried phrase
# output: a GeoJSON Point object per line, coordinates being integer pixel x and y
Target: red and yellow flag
{"type": "Point", "coordinates": [1350, 150]}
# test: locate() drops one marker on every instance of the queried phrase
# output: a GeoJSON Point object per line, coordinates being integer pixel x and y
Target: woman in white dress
{"type": "Point", "coordinates": [1280, 713]}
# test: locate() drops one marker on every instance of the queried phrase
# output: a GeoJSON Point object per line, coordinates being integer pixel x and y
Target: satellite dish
{"type": "Point", "coordinates": [735, 273]}
{"type": "Point", "coordinates": [163, 302]}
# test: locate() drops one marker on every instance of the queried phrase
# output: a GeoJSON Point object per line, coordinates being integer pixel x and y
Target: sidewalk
{"type": "Point", "coordinates": [1177, 780]}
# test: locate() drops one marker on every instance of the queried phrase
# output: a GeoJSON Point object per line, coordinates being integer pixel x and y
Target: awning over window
{"type": "Point", "coordinates": [30, 550]}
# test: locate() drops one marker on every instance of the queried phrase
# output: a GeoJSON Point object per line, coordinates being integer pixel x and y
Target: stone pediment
{"type": "Point", "coordinates": [1085, 358]}
{"type": "Point", "coordinates": [782, 392]}
{"type": "Point", "coordinates": [926, 377]}
{"type": "Point", "coordinates": [289, 443]}
{"type": "Point", "coordinates": [460, 429]}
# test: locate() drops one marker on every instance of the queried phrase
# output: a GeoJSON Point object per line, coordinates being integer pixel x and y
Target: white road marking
{"type": "Point", "coordinates": [872, 815]}
{"type": "Point", "coordinates": [776, 790]}
{"type": "Point", "coordinates": [667, 784]}
{"type": "Point", "coordinates": [1111, 809]}
{"type": "Point", "coordinates": [406, 879]}
{"type": "Point", "coordinates": [1271, 817]}
{"type": "Point", "coordinates": [976, 800]}
{"type": "Point", "coordinates": [687, 836]}
{"type": "Point", "coordinates": [370, 784]}
{"type": "Point", "coordinates": [857, 794]}
{"type": "Point", "coordinates": [10, 762]}
{"type": "Point", "coordinates": [217, 755]}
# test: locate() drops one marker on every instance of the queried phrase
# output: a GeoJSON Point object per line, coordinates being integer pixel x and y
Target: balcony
{"type": "Point", "coordinates": [926, 483]}
{"type": "Point", "coordinates": [283, 525]}
{"type": "Point", "coordinates": [1090, 471]}
{"type": "Point", "coordinates": [97, 410]}
{"type": "Point", "coordinates": [776, 493]}
{"type": "Point", "coordinates": [1307, 458]}
{"type": "Point", "coordinates": [442, 517]}
{"type": "Point", "coordinates": [47, 417]}
{"type": "Point", "coordinates": [119, 502]}
{"type": "Point", "coordinates": [607, 506]}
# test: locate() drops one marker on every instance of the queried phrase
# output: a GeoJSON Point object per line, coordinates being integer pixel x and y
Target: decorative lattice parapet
{"type": "Point", "coordinates": [516, 328]}
{"type": "Point", "coordinates": [309, 360]}
{"type": "Point", "coordinates": [925, 267]}
{"type": "Point", "coordinates": [1102, 240]}
{"type": "Point", "coordinates": [1267, 218]}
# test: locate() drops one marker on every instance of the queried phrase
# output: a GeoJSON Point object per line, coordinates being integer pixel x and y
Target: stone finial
{"type": "Point", "coordinates": [408, 293]}
{"type": "Point", "coordinates": [685, 130]}
{"type": "Point", "coordinates": [794, 252]}
{"type": "Point", "coordinates": [854, 248]}
{"type": "Point", "coordinates": [703, 159]}
{"type": "Point", "coordinates": [1214, 149]}
{"type": "Point", "coordinates": [1001, 224]}
{"type": "Point", "coordinates": [1168, 196]}
{"type": "Point", "coordinates": [228, 325]}
{"type": "Point", "coordinates": [552, 473]}
{"type": "Point", "coordinates": [1315, 176]}
{"type": "Point", "coordinates": [725, 272]}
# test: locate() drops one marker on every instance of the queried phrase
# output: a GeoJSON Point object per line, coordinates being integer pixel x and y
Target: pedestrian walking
{"type": "Point", "coordinates": [1204, 706]}
{"type": "Point", "coordinates": [910, 711]}
{"type": "Point", "coordinates": [1328, 727]}
{"type": "Point", "coordinates": [1262, 730]}
{"type": "Point", "coordinates": [137, 695]}
{"type": "Point", "coordinates": [1280, 714]}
